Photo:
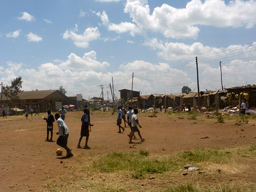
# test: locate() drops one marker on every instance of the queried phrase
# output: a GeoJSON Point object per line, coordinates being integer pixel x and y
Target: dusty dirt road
{"type": "Point", "coordinates": [28, 162]}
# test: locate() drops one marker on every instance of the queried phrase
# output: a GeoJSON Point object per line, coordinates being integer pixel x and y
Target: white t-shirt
{"type": "Point", "coordinates": [129, 115]}
{"type": "Point", "coordinates": [133, 120]}
{"type": "Point", "coordinates": [243, 105]}
{"type": "Point", "coordinates": [119, 114]}
{"type": "Point", "coordinates": [61, 124]}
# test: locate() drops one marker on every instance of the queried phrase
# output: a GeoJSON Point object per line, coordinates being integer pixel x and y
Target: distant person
{"type": "Point", "coordinates": [124, 115]}
{"type": "Point", "coordinates": [37, 112]}
{"type": "Point", "coordinates": [4, 114]}
{"type": "Point", "coordinates": [63, 134]}
{"type": "Point", "coordinates": [243, 105]}
{"type": "Point", "coordinates": [89, 116]}
{"type": "Point", "coordinates": [135, 124]}
{"type": "Point", "coordinates": [84, 129]}
{"type": "Point", "coordinates": [26, 115]}
{"type": "Point", "coordinates": [31, 111]}
{"type": "Point", "coordinates": [49, 128]}
{"type": "Point", "coordinates": [183, 107]}
{"type": "Point", "coordinates": [129, 119]}
{"type": "Point", "coordinates": [119, 119]}
{"type": "Point", "coordinates": [62, 112]}
{"type": "Point", "coordinates": [189, 107]}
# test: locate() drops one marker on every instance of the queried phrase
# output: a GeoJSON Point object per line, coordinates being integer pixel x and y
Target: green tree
{"type": "Point", "coordinates": [62, 90]}
{"type": "Point", "coordinates": [185, 89]}
{"type": "Point", "coordinates": [12, 91]}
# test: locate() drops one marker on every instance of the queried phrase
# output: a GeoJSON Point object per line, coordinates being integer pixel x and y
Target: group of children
{"type": "Point", "coordinates": [64, 131]}
{"type": "Point", "coordinates": [132, 120]}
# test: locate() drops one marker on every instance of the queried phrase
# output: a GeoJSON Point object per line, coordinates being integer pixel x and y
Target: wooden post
{"type": "Point", "coordinates": [198, 89]}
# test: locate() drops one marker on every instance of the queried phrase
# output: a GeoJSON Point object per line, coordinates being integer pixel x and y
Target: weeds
{"type": "Point", "coordinates": [243, 119]}
{"type": "Point", "coordinates": [192, 116]}
{"type": "Point", "coordinates": [220, 119]}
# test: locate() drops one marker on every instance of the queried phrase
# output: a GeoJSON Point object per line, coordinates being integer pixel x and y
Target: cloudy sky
{"type": "Point", "coordinates": [83, 44]}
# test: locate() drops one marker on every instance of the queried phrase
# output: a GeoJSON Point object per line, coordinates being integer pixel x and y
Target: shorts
{"type": "Point", "coordinates": [135, 129]}
{"type": "Point", "coordinates": [49, 127]}
{"type": "Point", "coordinates": [119, 121]}
{"type": "Point", "coordinates": [62, 141]}
{"type": "Point", "coordinates": [84, 130]}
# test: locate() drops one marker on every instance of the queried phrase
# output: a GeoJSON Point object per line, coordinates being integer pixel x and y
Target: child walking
{"type": "Point", "coordinates": [85, 129]}
{"type": "Point", "coordinates": [49, 121]}
{"type": "Point", "coordinates": [63, 134]}
{"type": "Point", "coordinates": [135, 124]}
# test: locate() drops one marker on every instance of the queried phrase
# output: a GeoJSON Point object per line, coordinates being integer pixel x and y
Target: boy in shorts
{"type": "Point", "coordinates": [135, 124]}
{"type": "Point", "coordinates": [63, 135]}
{"type": "Point", "coordinates": [85, 129]}
{"type": "Point", "coordinates": [119, 119]}
{"type": "Point", "coordinates": [49, 121]}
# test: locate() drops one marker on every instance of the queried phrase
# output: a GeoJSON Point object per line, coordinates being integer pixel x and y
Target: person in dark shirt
{"type": "Point", "coordinates": [49, 121]}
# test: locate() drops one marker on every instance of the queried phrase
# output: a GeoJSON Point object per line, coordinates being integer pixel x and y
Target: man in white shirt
{"type": "Point", "coordinates": [243, 105]}
{"type": "Point", "coordinates": [119, 119]}
{"type": "Point", "coordinates": [63, 134]}
{"type": "Point", "coordinates": [62, 111]}
{"type": "Point", "coordinates": [135, 124]}
{"type": "Point", "coordinates": [129, 118]}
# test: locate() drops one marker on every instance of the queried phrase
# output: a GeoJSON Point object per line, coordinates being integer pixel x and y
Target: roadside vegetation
{"type": "Point", "coordinates": [212, 170]}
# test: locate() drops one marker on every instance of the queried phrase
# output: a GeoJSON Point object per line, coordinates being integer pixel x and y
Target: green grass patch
{"type": "Point", "coordinates": [141, 164]}
{"type": "Point", "coordinates": [192, 115]}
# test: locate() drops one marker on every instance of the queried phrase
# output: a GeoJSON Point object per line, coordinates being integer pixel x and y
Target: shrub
{"type": "Point", "coordinates": [220, 119]}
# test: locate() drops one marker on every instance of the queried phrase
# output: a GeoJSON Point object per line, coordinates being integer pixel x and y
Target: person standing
{"type": "Point", "coordinates": [119, 119]}
{"type": "Point", "coordinates": [31, 111]}
{"type": "Point", "coordinates": [243, 105]}
{"type": "Point", "coordinates": [135, 124]}
{"type": "Point", "coordinates": [26, 115]}
{"type": "Point", "coordinates": [89, 116]}
{"type": "Point", "coordinates": [62, 112]}
{"type": "Point", "coordinates": [84, 129]}
{"type": "Point", "coordinates": [123, 115]}
{"type": "Point", "coordinates": [129, 118]}
{"type": "Point", "coordinates": [63, 134]}
{"type": "Point", "coordinates": [49, 121]}
{"type": "Point", "coordinates": [4, 114]}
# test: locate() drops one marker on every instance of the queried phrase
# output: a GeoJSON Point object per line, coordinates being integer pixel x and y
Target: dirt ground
{"type": "Point", "coordinates": [28, 161]}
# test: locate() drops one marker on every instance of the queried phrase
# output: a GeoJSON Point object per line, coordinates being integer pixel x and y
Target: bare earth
{"type": "Point", "coordinates": [28, 162]}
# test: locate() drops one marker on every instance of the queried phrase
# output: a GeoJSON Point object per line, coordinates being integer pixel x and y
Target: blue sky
{"type": "Point", "coordinates": [82, 44]}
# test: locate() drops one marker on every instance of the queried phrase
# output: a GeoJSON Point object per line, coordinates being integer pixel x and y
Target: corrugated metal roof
{"type": "Point", "coordinates": [244, 87]}
{"type": "Point", "coordinates": [191, 94]}
{"type": "Point", "coordinates": [145, 96]}
{"type": "Point", "coordinates": [34, 94]}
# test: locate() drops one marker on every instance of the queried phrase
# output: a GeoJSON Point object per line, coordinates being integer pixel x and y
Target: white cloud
{"type": "Point", "coordinates": [13, 34]}
{"type": "Point", "coordinates": [183, 23]}
{"type": "Point", "coordinates": [180, 51]}
{"type": "Point", "coordinates": [82, 40]}
{"type": "Point", "coordinates": [108, 0]}
{"type": "Point", "coordinates": [48, 21]}
{"type": "Point", "coordinates": [33, 37]}
{"type": "Point", "coordinates": [122, 27]}
{"type": "Point", "coordinates": [131, 42]}
{"type": "Point", "coordinates": [85, 74]}
{"type": "Point", "coordinates": [82, 13]}
{"type": "Point", "coordinates": [26, 16]}
{"type": "Point", "coordinates": [87, 62]}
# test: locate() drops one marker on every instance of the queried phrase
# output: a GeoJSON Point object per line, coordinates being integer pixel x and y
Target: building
{"type": "Point", "coordinates": [127, 94]}
{"type": "Point", "coordinates": [38, 100]}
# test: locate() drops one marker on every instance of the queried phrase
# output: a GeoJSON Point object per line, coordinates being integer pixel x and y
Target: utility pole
{"type": "Point", "coordinates": [113, 90]}
{"type": "Point", "coordinates": [198, 89]}
{"type": "Point", "coordinates": [102, 94]}
{"type": "Point", "coordinates": [132, 87]}
{"type": "Point", "coordinates": [221, 76]}
{"type": "Point", "coordinates": [1, 92]}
